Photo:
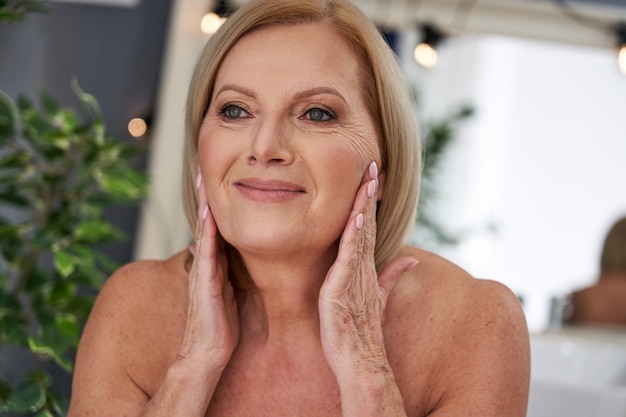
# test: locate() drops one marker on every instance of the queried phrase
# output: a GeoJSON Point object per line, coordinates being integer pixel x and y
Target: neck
{"type": "Point", "coordinates": [285, 303]}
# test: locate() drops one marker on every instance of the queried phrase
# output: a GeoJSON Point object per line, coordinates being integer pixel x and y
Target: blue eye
{"type": "Point", "coordinates": [319, 115]}
{"type": "Point", "coordinates": [231, 111]}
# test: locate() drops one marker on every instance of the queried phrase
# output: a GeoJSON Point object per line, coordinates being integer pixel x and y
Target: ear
{"type": "Point", "coordinates": [381, 186]}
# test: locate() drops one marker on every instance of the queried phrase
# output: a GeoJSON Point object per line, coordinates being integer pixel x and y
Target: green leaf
{"type": "Point", "coordinates": [64, 263]}
{"type": "Point", "coordinates": [13, 328]}
{"type": "Point", "coordinates": [8, 302]}
{"type": "Point", "coordinates": [28, 397]}
{"type": "Point", "coordinates": [14, 160]}
{"type": "Point", "coordinates": [94, 231]}
{"type": "Point", "coordinates": [81, 305]}
{"type": "Point", "coordinates": [49, 103]}
{"type": "Point", "coordinates": [89, 275]}
{"type": "Point", "coordinates": [68, 326]}
{"type": "Point", "coordinates": [61, 294]}
{"type": "Point", "coordinates": [59, 403]}
{"type": "Point", "coordinates": [44, 413]}
{"type": "Point", "coordinates": [90, 104]}
{"type": "Point", "coordinates": [10, 230]}
{"type": "Point", "coordinates": [107, 264]}
{"type": "Point", "coordinates": [127, 185]}
{"type": "Point", "coordinates": [59, 140]}
{"type": "Point", "coordinates": [8, 118]}
{"type": "Point", "coordinates": [47, 350]}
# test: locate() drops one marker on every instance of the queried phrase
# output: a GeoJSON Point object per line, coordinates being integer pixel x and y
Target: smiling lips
{"type": "Point", "coordinates": [268, 190]}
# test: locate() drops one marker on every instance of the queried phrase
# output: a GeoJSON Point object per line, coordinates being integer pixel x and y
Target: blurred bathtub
{"type": "Point", "coordinates": [578, 372]}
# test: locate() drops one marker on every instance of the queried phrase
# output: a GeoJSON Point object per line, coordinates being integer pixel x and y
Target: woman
{"type": "Point", "coordinates": [299, 297]}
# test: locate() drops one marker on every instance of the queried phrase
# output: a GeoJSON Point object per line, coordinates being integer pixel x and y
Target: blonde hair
{"type": "Point", "coordinates": [614, 250]}
{"type": "Point", "coordinates": [384, 91]}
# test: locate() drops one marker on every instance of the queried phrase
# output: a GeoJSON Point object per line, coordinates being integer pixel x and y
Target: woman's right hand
{"type": "Point", "coordinates": [212, 329]}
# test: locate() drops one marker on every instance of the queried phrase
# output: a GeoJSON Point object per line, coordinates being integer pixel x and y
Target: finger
{"type": "Point", "coordinates": [369, 230]}
{"type": "Point", "coordinates": [205, 249]}
{"type": "Point", "coordinates": [391, 272]}
{"type": "Point", "coordinates": [201, 199]}
{"type": "Point", "coordinates": [366, 187]}
{"type": "Point", "coordinates": [351, 245]}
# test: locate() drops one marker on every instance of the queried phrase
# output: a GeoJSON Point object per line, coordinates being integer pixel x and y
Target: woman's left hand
{"type": "Point", "coordinates": [353, 297]}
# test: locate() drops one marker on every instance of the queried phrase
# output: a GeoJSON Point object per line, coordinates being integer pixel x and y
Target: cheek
{"type": "Point", "coordinates": [343, 166]}
{"type": "Point", "coordinates": [215, 151]}
{"type": "Point", "coordinates": [214, 158]}
{"type": "Point", "coordinates": [363, 150]}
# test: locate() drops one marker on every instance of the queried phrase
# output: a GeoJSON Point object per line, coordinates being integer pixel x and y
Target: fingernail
{"type": "Point", "coordinates": [412, 264]}
{"type": "Point", "coordinates": [373, 170]}
{"type": "Point", "coordinates": [359, 221]}
{"type": "Point", "coordinates": [204, 212]}
{"type": "Point", "coordinates": [371, 188]}
{"type": "Point", "coordinates": [198, 180]}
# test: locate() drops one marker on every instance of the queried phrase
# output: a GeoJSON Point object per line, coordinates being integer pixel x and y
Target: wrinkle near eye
{"type": "Point", "coordinates": [364, 145]}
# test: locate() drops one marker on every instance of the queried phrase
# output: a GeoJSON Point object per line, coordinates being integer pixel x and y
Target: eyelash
{"type": "Point", "coordinates": [223, 112]}
{"type": "Point", "coordinates": [331, 116]}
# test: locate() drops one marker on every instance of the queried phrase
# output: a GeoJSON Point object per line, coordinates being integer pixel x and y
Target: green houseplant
{"type": "Point", "coordinates": [57, 174]}
{"type": "Point", "coordinates": [58, 171]}
{"type": "Point", "coordinates": [437, 137]}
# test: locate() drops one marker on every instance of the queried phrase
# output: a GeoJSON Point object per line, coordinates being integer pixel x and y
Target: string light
{"type": "Point", "coordinates": [137, 127]}
{"type": "Point", "coordinates": [212, 21]}
{"type": "Point", "coordinates": [425, 52]}
{"type": "Point", "coordinates": [621, 44]}
{"type": "Point", "coordinates": [618, 30]}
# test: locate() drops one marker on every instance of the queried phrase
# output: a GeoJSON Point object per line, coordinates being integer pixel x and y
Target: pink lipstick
{"type": "Point", "coordinates": [272, 190]}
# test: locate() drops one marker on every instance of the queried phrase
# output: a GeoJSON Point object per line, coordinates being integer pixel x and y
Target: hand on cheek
{"type": "Point", "coordinates": [353, 297]}
{"type": "Point", "coordinates": [212, 329]}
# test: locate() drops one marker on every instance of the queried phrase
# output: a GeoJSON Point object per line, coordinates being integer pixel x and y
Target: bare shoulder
{"type": "Point", "coordinates": [142, 284]}
{"type": "Point", "coordinates": [444, 287]}
{"type": "Point", "coordinates": [138, 294]}
{"type": "Point", "coordinates": [142, 305]}
{"type": "Point", "coordinates": [468, 336]}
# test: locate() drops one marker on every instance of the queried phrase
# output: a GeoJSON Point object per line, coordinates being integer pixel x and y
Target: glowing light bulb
{"type": "Point", "coordinates": [137, 127]}
{"type": "Point", "coordinates": [621, 59]}
{"type": "Point", "coordinates": [425, 55]}
{"type": "Point", "coordinates": [211, 22]}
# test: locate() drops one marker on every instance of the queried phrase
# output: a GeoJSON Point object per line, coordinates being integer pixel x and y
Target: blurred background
{"type": "Point", "coordinates": [528, 185]}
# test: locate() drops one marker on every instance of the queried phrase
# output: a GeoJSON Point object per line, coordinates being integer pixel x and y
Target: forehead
{"type": "Point", "coordinates": [313, 52]}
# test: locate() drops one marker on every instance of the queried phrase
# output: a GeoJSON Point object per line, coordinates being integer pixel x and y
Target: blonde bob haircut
{"type": "Point", "coordinates": [384, 91]}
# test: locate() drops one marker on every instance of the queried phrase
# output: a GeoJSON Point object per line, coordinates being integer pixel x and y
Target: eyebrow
{"type": "Point", "coordinates": [302, 94]}
{"type": "Point", "coordinates": [237, 88]}
{"type": "Point", "coordinates": [319, 90]}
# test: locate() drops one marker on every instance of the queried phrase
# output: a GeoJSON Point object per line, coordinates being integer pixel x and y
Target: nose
{"type": "Point", "coordinates": [271, 143]}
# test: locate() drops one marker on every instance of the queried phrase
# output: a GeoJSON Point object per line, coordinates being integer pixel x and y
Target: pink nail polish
{"type": "Point", "coordinates": [359, 221]}
{"type": "Point", "coordinates": [198, 180]}
{"type": "Point", "coordinates": [205, 211]}
{"type": "Point", "coordinates": [371, 188]}
{"type": "Point", "coordinates": [373, 170]}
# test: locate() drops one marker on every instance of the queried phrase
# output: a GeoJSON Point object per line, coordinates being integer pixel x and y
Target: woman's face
{"type": "Point", "coordinates": [286, 140]}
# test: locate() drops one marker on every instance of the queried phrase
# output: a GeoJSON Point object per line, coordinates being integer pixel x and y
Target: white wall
{"type": "Point", "coordinates": [544, 159]}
